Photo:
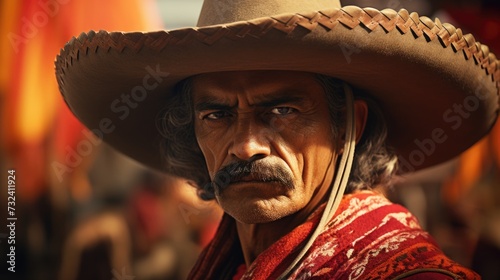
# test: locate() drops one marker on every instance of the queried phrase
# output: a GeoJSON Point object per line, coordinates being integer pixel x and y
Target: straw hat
{"type": "Point", "coordinates": [437, 87]}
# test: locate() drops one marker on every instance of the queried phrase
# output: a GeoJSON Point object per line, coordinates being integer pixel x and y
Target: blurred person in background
{"type": "Point", "coordinates": [144, 236]}
{"type": "Point", "coordinates": [41, 140]}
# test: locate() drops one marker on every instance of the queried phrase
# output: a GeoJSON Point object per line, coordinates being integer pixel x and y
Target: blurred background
{"type": "Point", "coordinates": [85, 211]}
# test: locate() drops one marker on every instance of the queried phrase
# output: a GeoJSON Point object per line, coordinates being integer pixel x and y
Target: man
{"type": "Point", "coordinates": [262, 107]}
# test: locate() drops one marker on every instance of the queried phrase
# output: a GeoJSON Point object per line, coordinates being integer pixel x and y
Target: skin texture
{"type": "Point", "coordinates": [280, 120]}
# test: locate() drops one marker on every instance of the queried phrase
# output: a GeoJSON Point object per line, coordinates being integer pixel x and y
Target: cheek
{"type": "Point", "coordinates": [213, 150]}
{"type": "Point", "coordinates": [316, 161]}
{"type": "Point", "coordinates": [309, 152]}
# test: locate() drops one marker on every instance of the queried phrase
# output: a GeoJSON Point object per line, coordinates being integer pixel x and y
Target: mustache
{"type": "Point", "coordinates": [259, 170]}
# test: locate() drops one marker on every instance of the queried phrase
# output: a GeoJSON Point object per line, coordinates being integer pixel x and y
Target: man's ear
{"type": "Point", "coordinates": [360, 117]}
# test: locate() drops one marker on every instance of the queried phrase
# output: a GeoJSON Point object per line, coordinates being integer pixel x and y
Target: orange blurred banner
{"type": "Point", "coordinates": [37, 127]}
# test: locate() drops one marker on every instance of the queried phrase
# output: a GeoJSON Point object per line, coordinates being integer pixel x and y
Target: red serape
{"type": "Point", "coordinates": [368, 238]}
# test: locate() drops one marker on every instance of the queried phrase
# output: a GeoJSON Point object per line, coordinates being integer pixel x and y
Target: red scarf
{"type": "Point", "coordinates": [368, 238]}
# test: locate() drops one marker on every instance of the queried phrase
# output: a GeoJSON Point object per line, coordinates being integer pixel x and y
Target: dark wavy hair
{"type": "Point", "coordinates": [374, 162]}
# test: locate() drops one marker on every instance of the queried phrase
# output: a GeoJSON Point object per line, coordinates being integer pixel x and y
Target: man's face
{"type": "Point", "coordinates": [267, 141]}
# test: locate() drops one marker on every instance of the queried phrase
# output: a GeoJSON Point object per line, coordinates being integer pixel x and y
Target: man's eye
{"type": "Point", "coordinates": [216, 115]}
{"type": "Point", "coordinates": [282, 111]}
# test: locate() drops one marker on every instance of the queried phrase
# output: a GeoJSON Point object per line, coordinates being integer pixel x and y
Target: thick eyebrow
{"type": "Point", "coordinates": [267, 100]}
{"type": "Point", "coordinates": [212, 104]}
{"type": "Point", "coordinates": [279, 98]}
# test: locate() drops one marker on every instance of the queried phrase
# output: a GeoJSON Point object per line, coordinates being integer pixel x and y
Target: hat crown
{"type": "Point", "coordinates": [225, 11]}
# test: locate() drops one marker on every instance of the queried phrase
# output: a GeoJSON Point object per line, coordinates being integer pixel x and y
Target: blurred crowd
{"type": "Point", "coordinates": [86, 212]}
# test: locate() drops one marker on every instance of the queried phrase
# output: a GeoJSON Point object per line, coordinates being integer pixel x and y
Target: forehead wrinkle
{"type": "Point", "coordinates": [210, 102]}
{"type": "Point", "coordinates": [267, 99]}
{"type": "Point", "coordinates": [251, 88]}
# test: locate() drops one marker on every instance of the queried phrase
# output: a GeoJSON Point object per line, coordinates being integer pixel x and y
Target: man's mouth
{"type": "Point", "coordinates": [255, 178]}
{"type": "Point", "coordinates": [247, 179]}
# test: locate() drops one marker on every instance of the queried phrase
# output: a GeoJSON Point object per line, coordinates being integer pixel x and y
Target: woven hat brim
{"type": "Point", "coordinates": [438, 88]}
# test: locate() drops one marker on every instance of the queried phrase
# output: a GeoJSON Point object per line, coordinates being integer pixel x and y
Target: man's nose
{"type": "Point", "coordinates": [250, 140]}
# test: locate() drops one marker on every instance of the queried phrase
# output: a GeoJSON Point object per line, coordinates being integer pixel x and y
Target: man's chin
{"type": "Point", "coordinates": [258, 212]}
{"type": "Point", "coordinates": [257, 203]}
{"type": "Point", "coordinates": [256, 219]}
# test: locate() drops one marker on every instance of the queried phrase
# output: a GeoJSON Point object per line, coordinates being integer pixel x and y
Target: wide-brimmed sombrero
{"type": "Point", "coordinates": [437, 87]}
